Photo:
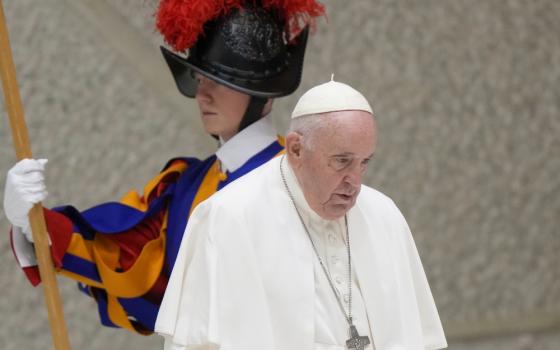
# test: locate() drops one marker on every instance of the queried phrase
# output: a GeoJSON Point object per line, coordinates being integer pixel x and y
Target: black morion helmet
{"type": "Point", "coordinates": [249, 50]}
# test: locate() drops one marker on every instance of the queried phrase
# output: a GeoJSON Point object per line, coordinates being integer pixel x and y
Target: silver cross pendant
{"type": "Point", "coordinates": [356, 342]}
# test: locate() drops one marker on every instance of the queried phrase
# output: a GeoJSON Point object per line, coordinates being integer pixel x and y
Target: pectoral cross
{"type": "Point", "coordinates": [356, 341]}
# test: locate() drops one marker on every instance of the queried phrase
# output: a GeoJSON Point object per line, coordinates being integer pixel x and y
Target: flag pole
{"type": "Point", "coordinates": [14, 107]}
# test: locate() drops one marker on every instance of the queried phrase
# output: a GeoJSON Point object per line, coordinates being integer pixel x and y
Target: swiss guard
{"type": "Point", "coordinates": [233, 57]}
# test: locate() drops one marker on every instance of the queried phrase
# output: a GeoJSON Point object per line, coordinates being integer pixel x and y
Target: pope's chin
{"type": "Point", "coordinates": [335, 208]}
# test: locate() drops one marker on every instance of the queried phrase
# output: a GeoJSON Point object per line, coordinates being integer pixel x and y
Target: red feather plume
{"type": "Point", "coordinates": [298, 13]}
{"type": "Point", "coordinates": [181, 22]}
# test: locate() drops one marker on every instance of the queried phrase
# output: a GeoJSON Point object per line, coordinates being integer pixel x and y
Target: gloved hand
{"type": "Point", "coordinates": [25, 186]}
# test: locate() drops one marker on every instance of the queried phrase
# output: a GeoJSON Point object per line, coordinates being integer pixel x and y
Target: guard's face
{"type": "Point", "coordinates": [331, 172]}
{"type": "Point", "coordinates": [221, 108]}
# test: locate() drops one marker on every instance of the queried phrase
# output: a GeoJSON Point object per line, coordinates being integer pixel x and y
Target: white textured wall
{"type": "Point", "coordinates": [467, 94]}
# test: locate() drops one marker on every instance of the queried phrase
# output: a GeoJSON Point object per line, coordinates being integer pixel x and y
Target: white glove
{"type": "Point", "coordinates": [25, 186]}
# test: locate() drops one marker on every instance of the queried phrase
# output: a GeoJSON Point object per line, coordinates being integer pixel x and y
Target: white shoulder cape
{"type": "Point", "coordinates": [244, 279]}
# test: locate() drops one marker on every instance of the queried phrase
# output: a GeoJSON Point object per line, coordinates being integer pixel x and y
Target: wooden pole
{"type": "Point", "coordinates": [36, 218]}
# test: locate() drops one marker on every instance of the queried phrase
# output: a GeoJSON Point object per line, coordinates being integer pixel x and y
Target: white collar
{"type": "Point", "coordinates": [299, 198]}
{"type": "Point", "coordinates": [242, 146]}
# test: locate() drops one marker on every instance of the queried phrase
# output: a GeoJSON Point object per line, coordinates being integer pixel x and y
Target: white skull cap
{"type": "Point", "coordinates": [330, 97]}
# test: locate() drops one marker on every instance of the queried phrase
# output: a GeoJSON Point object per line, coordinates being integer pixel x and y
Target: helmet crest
{"type": "Point", "coordinates": [181, 22]}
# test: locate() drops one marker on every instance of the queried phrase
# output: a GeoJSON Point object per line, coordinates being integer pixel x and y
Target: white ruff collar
{"type": "Point", "coordinates": [240, 148]}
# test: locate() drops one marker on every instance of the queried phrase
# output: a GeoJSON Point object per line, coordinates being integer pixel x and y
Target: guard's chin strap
{"type": "Point", "coordinates": [253, 112]}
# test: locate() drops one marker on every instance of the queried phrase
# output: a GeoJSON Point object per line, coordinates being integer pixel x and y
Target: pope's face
{"type": "Point", "coordinates": [330, 171]}
{"type": "Point", "coordinates": [221, 108]}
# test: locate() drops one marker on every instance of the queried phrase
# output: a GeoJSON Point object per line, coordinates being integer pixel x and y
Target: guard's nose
{"type": "Point", "coordinates": [203, 92]}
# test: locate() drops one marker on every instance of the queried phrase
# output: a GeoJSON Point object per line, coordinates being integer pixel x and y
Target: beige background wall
{"type": "Point", "coordinates": [467, 94]}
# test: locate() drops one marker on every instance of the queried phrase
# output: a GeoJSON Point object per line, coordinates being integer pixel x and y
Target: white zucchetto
{"type": "Point", "coordinates": [330, 97]}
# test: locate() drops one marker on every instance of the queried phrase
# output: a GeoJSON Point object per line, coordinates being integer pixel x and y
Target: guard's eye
{"type": "Point", "coordinates": [197, 76]}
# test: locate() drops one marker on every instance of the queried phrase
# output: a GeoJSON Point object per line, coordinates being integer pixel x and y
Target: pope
{"type": "Point", "coordinates": [299, 254]}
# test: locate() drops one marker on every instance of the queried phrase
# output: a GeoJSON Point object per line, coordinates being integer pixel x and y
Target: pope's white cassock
{"type": "Point", "coordinates": [247, 277]}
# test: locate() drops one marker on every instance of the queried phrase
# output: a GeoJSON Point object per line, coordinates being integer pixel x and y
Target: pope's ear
{"type": "Point", "coordinates": [293, 145]}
